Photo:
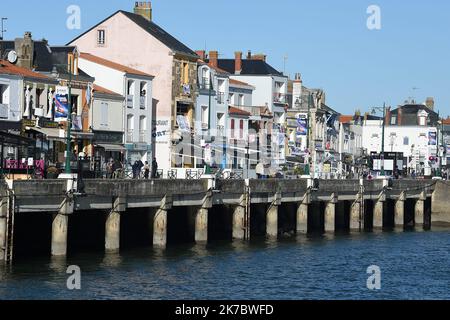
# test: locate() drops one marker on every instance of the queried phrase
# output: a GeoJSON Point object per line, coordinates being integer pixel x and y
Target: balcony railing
{"type": "Point", "coordinates": [279, 97]}
{"type": "Point", "coordinates": [204, 83]}
{"type": "Point", "coordinates": [143, 102]}
{"type": "Point", "coordinates": [142, 136]}
{"type": "Point", "coordinates": [130, 101]}
{"type": "Point", "coordinates": [130, 135]}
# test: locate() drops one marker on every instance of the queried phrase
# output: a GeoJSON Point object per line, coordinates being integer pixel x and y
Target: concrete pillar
{"type": "Point", "coordinates": [399, 213]}
{"type": "Point", "coordinates": [378, 212]}
{"type": "Point", "coordinates": [60, 226]}
{"type": "Point", "coordinates": [201, 226]}
{"type": "Point", "coordinates": [302, 218]}
{"type": "Point", "coordinates": [3, 215]}
{"type": "Point", "coordinates": [160, 224]}
{"type": "Point", "coordinates": [330, 214]}
{"type": "Point", "coordinates": [272, 217]}
{"type": "Point", "coordinates": [160, 229]}
{"type": "Point", "coordinates": [59, 234]}
{"type": "Point", "coordinates": [239, 223]}
{"type": "Point", "coordinates": [355, 216]}
{"type": "Point", "coordinates": [112, 226]}
{"type": "Point", "coordinates": [112, 232]}
{"type": "Point", "coordinates": [419, 211]}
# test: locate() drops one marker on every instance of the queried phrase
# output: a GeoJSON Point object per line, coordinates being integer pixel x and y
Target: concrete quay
{"type": "Point", "coordinates": [50, 217]}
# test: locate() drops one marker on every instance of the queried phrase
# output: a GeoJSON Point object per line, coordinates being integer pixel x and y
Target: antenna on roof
{"type": "Point", "coordinates": [285, 58]}
{"type": "Point", "coordinates": [2, 30]}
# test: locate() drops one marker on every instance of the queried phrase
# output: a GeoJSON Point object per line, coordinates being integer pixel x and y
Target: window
{"type": "Point", "coordinates": [104, 114]}
{"type": "Point", "coordinates": [185, 73]}
{"type": "Point", "coordinates": [232, 128]}
{"type": "Point", "coordinates": [143, 95]}
{"type": "Point", "coordinates": [231, 98]}
{"type": "Point", "coordinates": [406, 141]}
{"type": "Point", "coordinates": [241, 129]}
{"type": "Point", "coordinates": [422, 121]}
{"type": "Point", "coordinates": [142, 128]}
{"type": "Point", "coordinates": [101, 37]}
{"type": "Point", "coordinates": [394, 120]}
{"type": "Point", "coordinates": [241, 100]}
{"type": "Point", "coordinates": [205, 118]}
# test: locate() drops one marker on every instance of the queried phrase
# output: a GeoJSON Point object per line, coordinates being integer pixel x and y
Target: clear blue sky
{"type": "Point", "coordinates": [325, 40]}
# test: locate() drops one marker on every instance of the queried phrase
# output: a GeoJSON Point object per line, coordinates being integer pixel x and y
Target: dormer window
{"type": "Point", "coordinates": [101, 37]}
{"type": "Point", "coordinates": [422, 118]}
{"type": "Point", "coordinates": [393, 120]}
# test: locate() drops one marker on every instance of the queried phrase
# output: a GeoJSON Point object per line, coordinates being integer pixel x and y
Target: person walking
{"type": "Point", "coordinates": [146, 170]}
{"type": "Point", "coordinates": [154, 168]}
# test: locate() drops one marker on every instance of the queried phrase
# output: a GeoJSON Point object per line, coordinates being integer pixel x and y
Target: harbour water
{"type": "Point", "coordinates": [414, 265]}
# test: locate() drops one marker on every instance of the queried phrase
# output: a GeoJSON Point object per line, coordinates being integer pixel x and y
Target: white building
{"type": "Point", "coordinates": [270, 90]}
{"type": "Point", "coordinates": [137, 111]}
{"type": "Point", "coordinates": [410, 129]}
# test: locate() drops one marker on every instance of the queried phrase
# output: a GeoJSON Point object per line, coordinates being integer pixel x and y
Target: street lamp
{"type": "Point", "coordinates": [382, 109]}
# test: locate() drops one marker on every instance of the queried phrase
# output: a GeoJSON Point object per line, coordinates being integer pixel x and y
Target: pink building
{"type": "Point", "coordinates": [133, 40]}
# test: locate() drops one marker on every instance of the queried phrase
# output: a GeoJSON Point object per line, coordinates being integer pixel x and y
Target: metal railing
{"type": "Point", "coordinates": [143, 102]}
{"type": "Point", "coordinates": [221, 98]}
{"type": "Point", "coordinates": [142, 136]}
{"type": "Point", "coordinates": [279, 97]}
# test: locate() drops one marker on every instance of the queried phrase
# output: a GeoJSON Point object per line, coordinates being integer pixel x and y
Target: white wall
{"type": "Point", "coordinates": [105, 77]}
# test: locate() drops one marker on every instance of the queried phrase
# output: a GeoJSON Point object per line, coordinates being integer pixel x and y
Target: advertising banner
{"type": "Point", "coordinates": [61, 103]}
{"type": "Point", "coordinates": [432, 138]}
{"type": "Point", "coordinates": [302, 127]}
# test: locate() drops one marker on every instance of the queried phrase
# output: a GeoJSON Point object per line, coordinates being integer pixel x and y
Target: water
{"type": "Point", "coordinates": [414, 265]}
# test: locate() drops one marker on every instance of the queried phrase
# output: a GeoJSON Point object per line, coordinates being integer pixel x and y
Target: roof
{"type": "Point", "coordinates": [221, 71]}
{"type": "Point", "coordinates": [249, 67]}
{"type": "Point", "coordinates": [9, 68]}
{"type": "Point", "coordinates": [240, 83]}
{"type": "Point", "coordinates": [113, 65]}
{"type": "Point", "coordinates": [409, 114]}
{"type": "Point", "coordinates": [446, 121]}
{"type": "Point", "coordinates": [233, 110]}
{"type": "Point", "coordinates": [153, 29]}
{"type": "Point", "coordinates": [100, 89]}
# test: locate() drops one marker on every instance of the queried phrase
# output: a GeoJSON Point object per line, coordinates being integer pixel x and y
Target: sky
{"type": "Point", "coordinates": [327, 41]}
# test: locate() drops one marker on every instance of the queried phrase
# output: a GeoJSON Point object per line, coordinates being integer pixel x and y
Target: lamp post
{"type": "Point", "coordinates": [383, 109]}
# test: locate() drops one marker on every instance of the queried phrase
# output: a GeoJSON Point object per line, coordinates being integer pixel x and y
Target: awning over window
{"type": "Point", "coordinates": [52, 134]}
{"type": "Point", "coordinates": [111, 147]}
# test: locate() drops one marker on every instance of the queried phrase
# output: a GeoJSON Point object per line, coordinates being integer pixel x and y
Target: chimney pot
{"type": "Point", "coordinates": [143, 9]}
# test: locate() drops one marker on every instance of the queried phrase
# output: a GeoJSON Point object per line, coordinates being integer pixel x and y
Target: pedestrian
{"type": "Point", "coordinates": [109, 169]}
{"type": "Point", "coordinates": [146, 170]}
{"type": "Point", "coordinates": [154, 169]}
{"type": "Point", "coordinates": [135, 169]}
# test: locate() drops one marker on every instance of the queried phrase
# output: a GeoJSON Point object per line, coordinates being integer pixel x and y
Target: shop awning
{"type": "Point", "coordinates": [49, 133]}
{"type": "Point", "coordinates": [82, 135]}
{"type": "Point", "coordinates": [111, 147]}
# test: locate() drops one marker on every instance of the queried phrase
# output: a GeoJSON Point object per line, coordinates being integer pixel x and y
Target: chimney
{"type": "Point", "coordinates": [249, 55]}
{"type": "Point", "coordinates": [387, 120]}
{"type": "Point", "coordinates": [238, 62]}
{"type": "Point", "coordinates": [144, 9]}
{"type": "Point", "coordinates": [213, 58]}
{"type": "Point", "coordinates": [430, 103]}
{"type": "Point", "coordinates": [24, 48]}
{"type": "Point", "coordinates": [259, 56]}
{"type": "Point", "coordinates": [201, 54]}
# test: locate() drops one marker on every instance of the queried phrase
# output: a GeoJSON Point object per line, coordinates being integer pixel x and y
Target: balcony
{"type": "Point", "coordinates": [143, 102]}
{"type": "Point", "coordinates": [279, 97]}
{"type": "Point", "coordinates": [220, 131]}
{"type": "Point", "coordinates": [130, 101]}
{"type": "Point", "coordinates": [204, 84]}
{"type": "Point", "coordinates": [130, 136]}
{"type": "Point", "coordinates": [205, 126]}
{"type": "Point", "coordinates": [143, 136]}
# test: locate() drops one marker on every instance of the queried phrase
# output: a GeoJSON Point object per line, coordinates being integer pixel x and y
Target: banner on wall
{"type": "Point", "coordinates": [432, 138]}
{"type": "Point", "coordinates": [61, 103]}
{"type": "Point", "coordinates": [302, 127]}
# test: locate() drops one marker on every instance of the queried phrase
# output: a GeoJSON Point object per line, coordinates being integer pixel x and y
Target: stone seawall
{"type": "Point", "coordinates": [441, 204]}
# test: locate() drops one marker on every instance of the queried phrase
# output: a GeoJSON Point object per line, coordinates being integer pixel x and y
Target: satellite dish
{"type": "Point", "coordinates": [12, 57]}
